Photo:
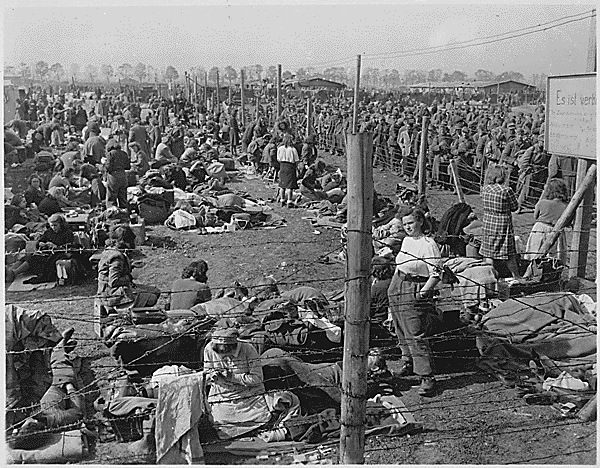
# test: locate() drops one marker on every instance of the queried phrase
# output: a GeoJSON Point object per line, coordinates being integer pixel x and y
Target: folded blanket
{"type": "Point", "coordinates": [181, 403]}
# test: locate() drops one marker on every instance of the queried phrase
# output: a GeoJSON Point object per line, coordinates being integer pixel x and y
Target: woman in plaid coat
{"type": "Point", "coordinates": [499, 201]}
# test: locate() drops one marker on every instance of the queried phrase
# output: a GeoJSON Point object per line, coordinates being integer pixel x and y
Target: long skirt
{"type": "Point", "coordinates": [411, 317]}
{"type": "Point", "coordinates": [538, 236]}
{"type": "Point", "coordinates": [287, 175]}
{"type": "Point", "coordinates": [238, 417]}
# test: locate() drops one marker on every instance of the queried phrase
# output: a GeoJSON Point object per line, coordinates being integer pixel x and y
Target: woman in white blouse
{"type": "Point", "coordinates": [287, 156]}
{"type": "Point", "coordinates": [410, 296]}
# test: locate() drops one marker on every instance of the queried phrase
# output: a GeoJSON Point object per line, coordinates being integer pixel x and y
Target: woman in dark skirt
{"type": "Point", "coordinates": [287, 156]}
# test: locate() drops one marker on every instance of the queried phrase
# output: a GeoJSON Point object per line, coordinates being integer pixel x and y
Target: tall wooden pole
{"type": "Point", "coordinates": [257, 107]}
{"type": "Point", "coordinates": [279, 109]}
{"type": "Point", "coordinates": [243, 104]}
{"type": "Point", "coordinates": [218, 93]}
{"type": "Point", "coordinates": [230, 95]}
{"type": "Point", "coordinates": [356, 96]}
{"type": "Point", "coordinates": [205, 90]}
{"type": "Point", "coordinates": [586, 186]}
{"type": "Point", "coordinates": [423, 157]}
{"type": "Point", "coordinates": [308, 117]}
{"type": "Point", "coordinates": [358, 298]}
{"type": "Point", "coordinates": [583, 219]}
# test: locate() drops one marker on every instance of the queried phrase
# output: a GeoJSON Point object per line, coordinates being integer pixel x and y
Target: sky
{"type": "Point", "coordinates": [297, 34]}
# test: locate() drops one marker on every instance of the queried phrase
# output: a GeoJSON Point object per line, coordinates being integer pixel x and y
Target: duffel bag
{"type": "Point", "coordinates": [216, 170]}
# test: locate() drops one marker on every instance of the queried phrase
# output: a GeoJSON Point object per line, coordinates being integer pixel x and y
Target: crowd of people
{"type": "Point", "coordinates": [87, 156]}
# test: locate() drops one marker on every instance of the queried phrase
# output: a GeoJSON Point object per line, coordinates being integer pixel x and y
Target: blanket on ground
{"type": "Point", "coordinates": [552, 324]}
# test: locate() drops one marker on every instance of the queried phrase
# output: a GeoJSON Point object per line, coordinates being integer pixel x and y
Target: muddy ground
{"type": "Point", "coordinates": [472, 420]}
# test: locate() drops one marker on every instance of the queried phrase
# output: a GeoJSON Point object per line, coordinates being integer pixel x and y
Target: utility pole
{"type": "Point", "coordinates": [218, 93]}
{"type": "Point", "coordinates": [205, 90]}
{"type": "Point", "coordinates": [279, 109]}
{"type": "Point", "coordinates": [242, 98]}
{"type": "Point", "coordinates": [308, 116]}
{"type": "Point", "coordinates": [356, 96]}
{"type": "Point", "coordinates": [357, 293]}
{"type": "Point", "coordinates": [423, 157]}
{"type": "Point", "coordinates": [583, 219]}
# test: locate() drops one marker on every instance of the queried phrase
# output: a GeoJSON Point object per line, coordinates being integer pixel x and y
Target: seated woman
{"type": "Point", "coordinates": [190, 155]}
{"type": "Point", "coordinates": [62, 179]}
{"type": "Point", "coordinates": [382, 271]}
{"type": "Point", "coordinates": [391, 234]}
{"type": "Point", "coordinates": [43, 263]}
{"type": "Point", "coordinates": [139, 159]}
{"type": "Point", "coordinates": [34, 193]}
{"type": "Point", "coordinates": [237, 392]}
{"type": "Point", "coordinates": [18, 213]}
{"type": "Point", "coordinates": [310, 187]}
{"type": "Point", "coordinates": [191, 289]}
{"type": "Point", "coordinates": [115, 281]}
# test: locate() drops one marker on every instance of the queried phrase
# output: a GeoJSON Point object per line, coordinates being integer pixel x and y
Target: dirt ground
{"type": "Point", "coordinates": [472, 420]}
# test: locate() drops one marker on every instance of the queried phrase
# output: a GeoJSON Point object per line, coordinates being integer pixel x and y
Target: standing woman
{"type": "Point", "coordinates": [499, 201]}
{"type": "Point", "coordinates": [547, 212]}
{"type": "Point", "coordinates": [410, 297]}
{"type": "Point", "coordinates": [234, 132]}
{"type": "Point", "coordinates": [117, 162]}
{"type": "Point", "coordinates": [287, 156]}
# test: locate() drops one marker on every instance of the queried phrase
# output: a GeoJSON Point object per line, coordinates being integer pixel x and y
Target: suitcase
{"type": "Point", "coordinates": [144, 315]}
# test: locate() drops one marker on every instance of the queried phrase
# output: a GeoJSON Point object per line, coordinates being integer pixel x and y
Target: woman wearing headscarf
{"type": "Point", "coordinates": [117, 162]}
{"type": "Point", "coordinates": [287, 156]}
{"type": "Point", "coordinates": [237, 392]}
{"type": "Point", "coordinates": [115, 280]}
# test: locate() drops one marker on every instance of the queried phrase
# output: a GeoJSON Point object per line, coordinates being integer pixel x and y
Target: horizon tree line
{"type": "Point", "coordinates": [370, 77]}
